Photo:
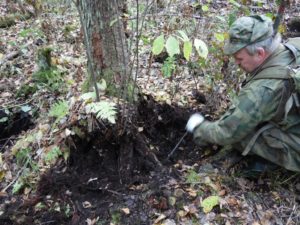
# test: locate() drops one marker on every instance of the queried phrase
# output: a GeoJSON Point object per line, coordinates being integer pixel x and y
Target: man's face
{"type": "Point", "coordinates": [246, 61]}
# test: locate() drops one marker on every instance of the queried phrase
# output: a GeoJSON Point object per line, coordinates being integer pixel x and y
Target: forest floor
{"type": "Point", "coordinates": [85, 184]}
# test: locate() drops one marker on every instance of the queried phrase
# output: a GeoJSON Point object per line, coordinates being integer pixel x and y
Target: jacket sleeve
{"type": "Point", "coordinates": [255, 104]}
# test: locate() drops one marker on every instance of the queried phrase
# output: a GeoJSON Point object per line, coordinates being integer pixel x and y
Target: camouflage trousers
{"type": "Point", "coordinates": [281, 147]}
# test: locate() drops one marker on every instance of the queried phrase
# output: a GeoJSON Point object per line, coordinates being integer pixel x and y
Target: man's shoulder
{"type": "Point", "coordinates": [274, 72]}
{"type": "Point", "coordinates": [258, 85]}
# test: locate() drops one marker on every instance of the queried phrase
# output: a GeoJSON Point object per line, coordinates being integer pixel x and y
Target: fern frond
{"type": "Point", "coordinates": [59, 110]}
{"type": "Point", "coordinates": [103, 110]}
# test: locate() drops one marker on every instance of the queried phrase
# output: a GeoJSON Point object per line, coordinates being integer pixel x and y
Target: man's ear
{"type": "Point", "coordinates": [261, 53]}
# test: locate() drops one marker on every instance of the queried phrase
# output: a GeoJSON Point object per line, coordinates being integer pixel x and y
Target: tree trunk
{"type": "Point", "coordinates": [105, 43]}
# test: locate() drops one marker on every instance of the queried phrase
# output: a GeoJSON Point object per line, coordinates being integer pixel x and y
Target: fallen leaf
{"type": "Point", "coordinates": [172, 201]}
{"type": "Point", "coordinates": [86, 204]}
{"type": "Point", "coordinates": [126, 211]}
{"type": "Point", "coordinates": [182, 213]}
{"type": "Point", "coordinates": [160, 218]}
{"type": "Point", "coordinates": [222, 192]}
{"type": "Point", "coordinates": [232, 201]}
{"type": "Point", "coordinates": [209, 203]}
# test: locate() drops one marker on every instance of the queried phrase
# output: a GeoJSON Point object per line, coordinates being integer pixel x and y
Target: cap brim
{"type": "Point", "coordinates": [230, 48]}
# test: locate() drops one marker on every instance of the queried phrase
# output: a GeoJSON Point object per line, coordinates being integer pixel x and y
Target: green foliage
{"type": "Point", "coordinates": [51, 79]}
{"type": "Point", "coordinates": [192, 177]}
{"type": "Point", "coordinates": [187, 50]}
{"type": "Point", "coordinates": [52, 155]}
{"type": "Point", "coordinates": [201, 48]}
{"type": "Point", "coordinates": [168, 67]}
{"type": "Point", "coordinates": [18, 186]}
{"type": "Point", "coordinates": [176, 45]}
{"type": "Point", "coordinates": [24, 159]}
{"type": "Point", "coordinates": [115, 218]}
{"type": "Point", "coordinates": [172, 46]}
{"type": "Point", "coordinates": [103, 110]}
{"type": "Point", "coordinates": [209, 203]}
{"type": "Point", "coordinates": [26, 89]}
{"type": "Point", "coordinates": [35, 33]}
{"type": "Point", "coordinates": [59, 110]}
{"type": "Point", "coordinates": [158, 45]}
{"type": "Point", "coordinates": [68, 29]}
{"type": "Point", "coordinates": [44, 58]}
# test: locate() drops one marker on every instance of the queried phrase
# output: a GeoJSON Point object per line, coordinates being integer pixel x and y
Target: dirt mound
{"type": "Point", "coordinates": [109, 170]}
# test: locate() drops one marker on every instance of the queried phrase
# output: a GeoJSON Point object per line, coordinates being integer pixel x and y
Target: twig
{"type": "Point", "coordinates": [290, 217]}
{"type": "Point", "coordinates": [14, 180]}
{"type": "Point", "coordinates": [113, 192]}
{"type": "Point", "coordinates": [14, 106]}
{"type": "Point", "coordinates": [51, 221]}
{"type": "Point", "coordinates": [6, 142]}
{"type": "Point", "coordinates": [291, 177]}
{"type": "Point", "coordinates": [10, 56]}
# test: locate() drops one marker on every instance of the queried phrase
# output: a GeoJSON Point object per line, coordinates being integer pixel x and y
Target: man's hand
{"type": "Point", "coordinates": [194, 121]}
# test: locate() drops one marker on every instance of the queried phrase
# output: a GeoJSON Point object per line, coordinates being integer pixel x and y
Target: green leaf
{"type": "Point", "coordinates": [18, 186]}
{"type": "Point", "coordinates": [59, 110]}
{"type": "Point", "coordinates": [201, 48]}
{"type": "Point", "coordinates": [102, 85]}
{"type": "Point", "coordinates": [220, 37]}
{"type": "Point", "coordinates": [209, 203]}
{"type": "Point", "coordinates": [168, 67]}
{"type": "Point", "coordinates": [113, 22]}
{"type": "Point", "coordinates": [103, 110]}
{"type": "Point", "coordinates": [53, 154]}
{"type": "Point", "coordinates": [192, 177]}
{"type": "Point", "coordinates": [26, 108]}
{"type": "Point", "coordinates": [187, 50]}
{"type": "Point", "coordinates": [205, 8]}
{"type": "Point", "coordinates": [184, 37]}
{"type": "Point", "coordinates": [221, 18]}
{"type": "Point", "coordinates": [3, 119]}
{"type": "Point", "coordinates": [158, 45]}
{"type": "Point", "coordinates": [235, 3]}
{"type": "Point", "coordinates": [172, 46]}
{"type": "Point", "coordinates": [88, 96]}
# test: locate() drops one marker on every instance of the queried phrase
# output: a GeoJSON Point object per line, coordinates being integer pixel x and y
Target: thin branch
{"type": "Point", "coordinates": [16, 178]}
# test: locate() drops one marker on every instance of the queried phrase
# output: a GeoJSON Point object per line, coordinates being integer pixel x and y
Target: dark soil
{"type": "Point", "coordinates": [108, 171]}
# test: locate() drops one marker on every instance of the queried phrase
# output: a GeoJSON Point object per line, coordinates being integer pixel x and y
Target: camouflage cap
{"type": "Point", "coordinates": [248, 30]}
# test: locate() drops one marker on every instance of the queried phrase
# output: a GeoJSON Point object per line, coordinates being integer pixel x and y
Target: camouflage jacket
{"type": "Point", "coordinates": [256, 104]}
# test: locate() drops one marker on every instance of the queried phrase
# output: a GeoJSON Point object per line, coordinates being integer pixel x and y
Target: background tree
{"type": "Point", "coordinates": [105, 42]}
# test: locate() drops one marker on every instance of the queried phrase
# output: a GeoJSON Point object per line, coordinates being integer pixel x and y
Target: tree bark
{"type": "Point", "coordinates": [105, 42]}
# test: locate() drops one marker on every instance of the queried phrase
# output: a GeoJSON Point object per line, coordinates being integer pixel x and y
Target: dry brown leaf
{"type": "Point", "coordinates": [222, 192]}
{"type": "Point", "coordinates": [232, 201]}
{"type": "Point", "coordinates": [182, 213]}
{"type": "Point", "coordinates": [160, 218]}
{"type": "Point", "coordinates": [86, 204]}
{"type": "Point", "coordinates": [126, 211]}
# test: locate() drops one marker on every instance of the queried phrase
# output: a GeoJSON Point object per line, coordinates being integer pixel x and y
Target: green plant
{"type": "Point", "coordinates": [31, 32]}
{"type": "Point", "coordinates": [52, 155]}
{"type": "Point", "coordinates": [28, 167]}
{"type": "Point", "coordinates": [168, 67]}
{"type": "Point", "coordinates": [26, 89]}
{"type": "Point", "coordinates": [103, 110]}
{"type": "Point", "coordinates": [115, 217]}
{"type": "Point", "coordinates": [59, 110]}
{"type": "Point", "coordinates": [52, 78]}
{"type": "Point", "coordinates": [24, 159]}
{"type": "Point", "coordinates": [192, 177]}
{"type": "Point", "coordinates": [178, 44]}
